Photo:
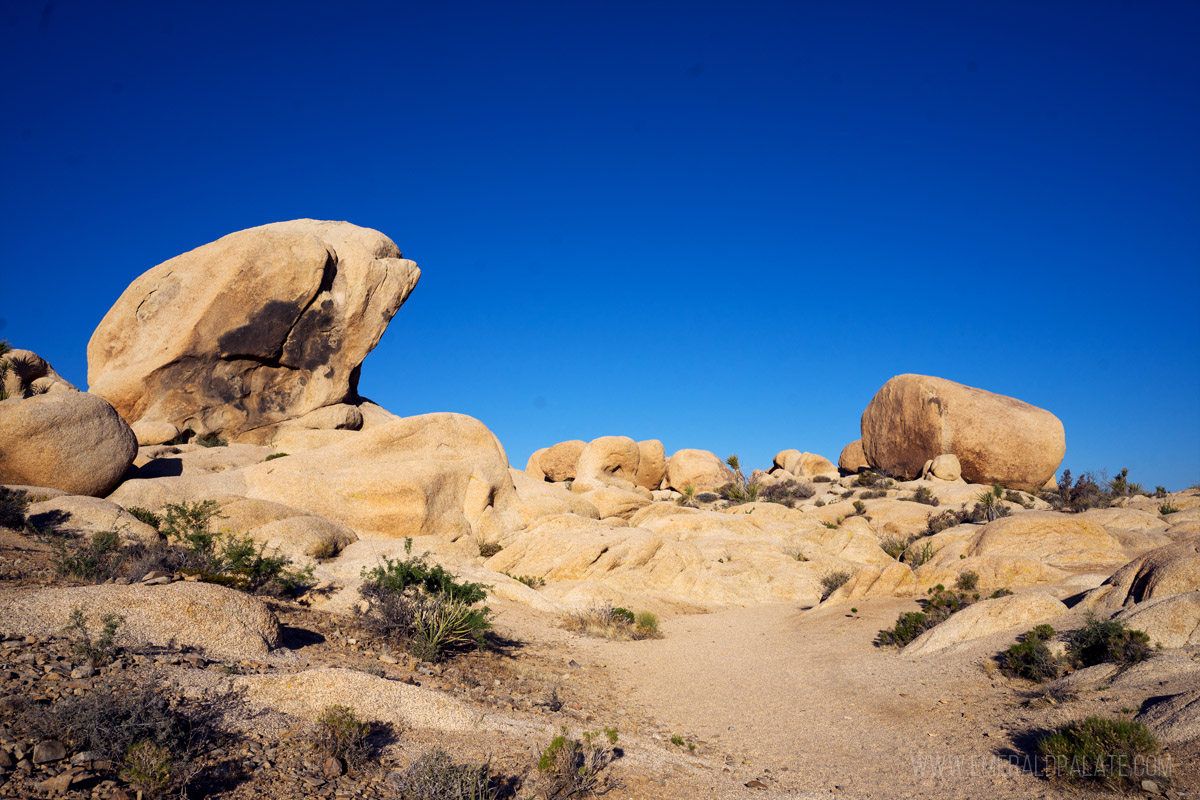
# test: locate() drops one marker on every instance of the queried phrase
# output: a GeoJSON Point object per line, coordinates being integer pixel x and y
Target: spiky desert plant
{"type": "Point", "coordinates": [989, 502]}
{"type": "Point", "coordinates": [5, 349]}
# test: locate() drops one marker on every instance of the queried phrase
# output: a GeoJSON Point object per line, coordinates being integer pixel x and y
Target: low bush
{"type": "Point", "coordinates": [13, 503]}
{"type": "Point", "coordinates": [613, 622]}
{"type": "Point", "coordinates": [422, 607]}
{"type": "Point", "coordinates": [832, 581]}
{"type": "Point", "coordinates": [101, 649]}
{"type": "Point", "coordinates": [437, 776]}
{"type": "Point", "coordinates": [915, 556]}
{"type": "Point", "coordinates": [894, 544]}
{"type": "Point", "coordinates": [532, 581]}
{"type": "Point", "coordinates": [570, 767]}
{"type": "Point", "coordinates": [96, 558]}
{"type": "Point", "coordinates": [707, 497]}
{"type": "Point", "coordinates": [967, 581]}
{"type": "Point", "coordinates": [1108, 640]}
{"type": "Point", "coordinates": [822, 479]}
{"type": "Point", "coordinates": [937, 608]}
{"type": "Point", "coordinates": [873, 494]}
{"type": "Point", "coordinates": [274, 456]}
{"type": "Point", "coordinates": [1113, 753]}
{"type": "Point", "coordinates": [1168, 508]}
{"type": "Point", "coordinates": [489, 549]}
{"type": "Point", "coordinates": [819, 503]}
{"type": "Point", "coordinates": [147, 516]}
{"type": "Point", "coordinates": [1018, 498]}
{"type": "Point", "coordinates": [738, 493]}
{"type": "Point", "coordinates": [326, 547]}
{"type": "Point", "coordinates": [155, 740]}
{"type": "Point", "coordinates": [1001, 592]}
{"type": "Point", "coordinates": [787, 493]}
{"type": "Point", "coordinates": [923, 495]}
{"type": "Point", "coordinates": [1030, 658]}
{"type": "Point", "coordinates": [872, 480]}
{"type": "Point", "coordinates": [687, 497]}
{"type": "Point", "coordinates": [210, 440]}
{"type": "Point", "coordinates": [341, 734]}
{"type": "Point", "coordinates": [860, 509]}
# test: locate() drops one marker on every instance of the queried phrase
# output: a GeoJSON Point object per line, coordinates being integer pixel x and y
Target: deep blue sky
{"type": "Point", "coordinates": [723, 225]}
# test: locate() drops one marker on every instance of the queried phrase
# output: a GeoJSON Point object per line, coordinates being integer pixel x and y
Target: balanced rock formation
{"type": "Point", "coordinates": [557, 463]}
{"type": "Point", "coordinates": [803, 465]}
{"type": "Point", "coordinates": [68, 440]}
{"type": "Point", "coordinates": [259, 327]}
{"type": "Point", "coordinates": [607, 461]}
{"type": "Point", "coordinates": [998, 439]}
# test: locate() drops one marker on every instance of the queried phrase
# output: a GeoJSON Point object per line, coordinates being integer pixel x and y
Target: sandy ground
{"type": "Point", "coordinates": [804, 704]}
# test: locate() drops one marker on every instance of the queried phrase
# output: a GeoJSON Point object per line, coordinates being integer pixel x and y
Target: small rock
{"type": "Point", "coordinates": [333, 767]}
{"type": "Point", "coordinates": [47, 751]}
{"type": "Point", "coordinates": [756, 784]}
{"type": "Point", "coordinates": [1150, 786]}
{"type": "Point", "coordinates": [85, 671]}
{"type": "Point", "coordinates": [64, 781]}
{"type": "Point", "coordinates": [6, 761]}
{"type": "Point", "coordinates": [387, 659]}
{"type": "Point", "coordinates": [155, 574]}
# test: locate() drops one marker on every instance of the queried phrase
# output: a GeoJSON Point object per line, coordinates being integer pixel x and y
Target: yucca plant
{"type": "Point", "coordinates": [989, 502]}
{"type": "Point", "coordinates": [687, 498]}
{"type": "Point", "coordinates": [5, 367]}
{"type": "Point", "coordinates": [441, 624]}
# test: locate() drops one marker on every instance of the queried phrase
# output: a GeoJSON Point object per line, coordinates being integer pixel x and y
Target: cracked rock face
{"type": "Point", "coordinates": [257, 328]}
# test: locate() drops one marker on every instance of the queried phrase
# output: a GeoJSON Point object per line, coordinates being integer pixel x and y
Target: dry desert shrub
{"type": "Point", "coordinates": [570, 767]}
{"type": "Point", "coordinates": [437, 776]}
{"type": "Point", "coordinates": [832, 581]}
{"type": "Point", "coordinates": [613, 622]}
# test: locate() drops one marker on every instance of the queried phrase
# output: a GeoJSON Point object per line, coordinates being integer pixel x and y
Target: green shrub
{"type": "Point", "coordinates": [707, 497]}
{"type": "Point", "coordinates": [832, 581]}
{"type": "Point", "coordinates": [532, 581]}
{"type": "Point", "coordinates": [95, 559]}
{"type": "Point", "coordinates": [147, 516]}
{"type": "Point", "coordinates": [944, 520]}
{"type": "Point", "coordinates": [916, 556]}
{"type": "Point", "coordinates": [860, 509]}
{"type": "Point", "coordinates": [939, 606]}
{"type": "Point", "coordinates": [687, 497]}
{"type": "Point", "coordinates": [189, 526]}
{"type": "Point", "coordinates": [437, 776]}
{"type": "Point", "coordinates": [822, 479]}
{"type": "Point", "coordinates": [1001, 592]}
{"type": "Point", "coordinates": [787, 493]}
{"type": "Point", "coordinates": [645, 625]}
{"type": "Point", "coordinates": [210, 440]}
{"type": "Point", "coordinates": [422, 607]}
{"type": "Point", "coordinates": [819, 503]}
{"type": "Point", "coordinates": [1109, 640]}
{"type": "Point", "coordinates": [341, 734]}
{"type": "Point", "coordinates": [989, 501]}
{"type": "Point", "coordinates": [894, 544]}
{"type": "Point", "coordinates": [489, 549]}
{"type": "Point", "coordinates": [13, 503]}
{"type": "Point", "coordinates": [1030, 658]}
{"type": "Point", "coordinates": [274, 456]}
{"type": "Point", "coordinates": [98, 651]}
{"type": "Point", "coordinates": [570, 767]}
{"type": "Point", "coordinates": [923, 495]}
{"type": "Point", "coordinates": [148, 768]}
{"type": "Point", "coordinates": [1113, 753]}
{"type": "Point", "coordinates": [967, 581]}
{"type": "Point", "coordinates": [871, 480]}
{"type": "Point", "coordinates": [1167, 508]}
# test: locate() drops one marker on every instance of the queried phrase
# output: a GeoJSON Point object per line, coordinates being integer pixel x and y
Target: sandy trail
{"type": "Point", "coordinates": [804, 703]}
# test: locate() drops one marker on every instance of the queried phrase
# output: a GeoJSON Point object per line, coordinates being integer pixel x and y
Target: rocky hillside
{"type": "Point", "coordinates": [307, 595]}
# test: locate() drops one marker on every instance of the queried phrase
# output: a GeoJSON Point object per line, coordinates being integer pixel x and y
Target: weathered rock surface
{"type": "Point", "coordinates": [998, 439]}
{"type": "Point", "coordinates": [652, 464]}
{"type": "Point", "coordinates": [539, 498]}
{"type": "Point", "coordinates": [700, 469]}
{"type": "Point", "coordinates": [223, 622]}
{"type": "Point", "coordinates": [1016, 612]}
{"type": "Point", "coordinates": [73, 441]}
{"type": "Point", "coordinates": [86, 516]}
{"type": "Point", "coordinates": [259, 327]}
{"type": "Point", "coordinates": [607, 461]}
{"type": "Point", "coordinates": [558, 462]}
{"type": "Point", "coordinates": [1172, 621]}
{"type": "Point", "coordinates": [438, 474]}
{"type": "Point", "coordinates": [151, 432]}
{"type": "Point", "coordinates": [893, 580]}
{"type": "Point", "coordinates": [852, 458]}
{"type": "Point", "coordinates": [1175, 719]}
{"type": "Point", "coordinates": [1058, 540]}
{"type": "Point", "coordinates": [1172, 569]}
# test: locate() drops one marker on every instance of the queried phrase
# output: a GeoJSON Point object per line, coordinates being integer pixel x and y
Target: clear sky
{"type": "Point", "coordinates": [722, 225]}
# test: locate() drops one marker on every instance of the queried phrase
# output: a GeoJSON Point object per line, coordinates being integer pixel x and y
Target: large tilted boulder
{"type": "Point", "coordinates": [1015, 612]}
{"type": "Point", "coordinates": [1168, 570]}
{"type": "Point", "coordinates": [68, 440]}
{"type": "Point", "coordinates": [442, 475]}
{"type": "Point", "coordinates": [699, 469]}
{"type": "Point", "coordinates": [998, 439]}
{"type": "Point", "coordinates": [257, 328]}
